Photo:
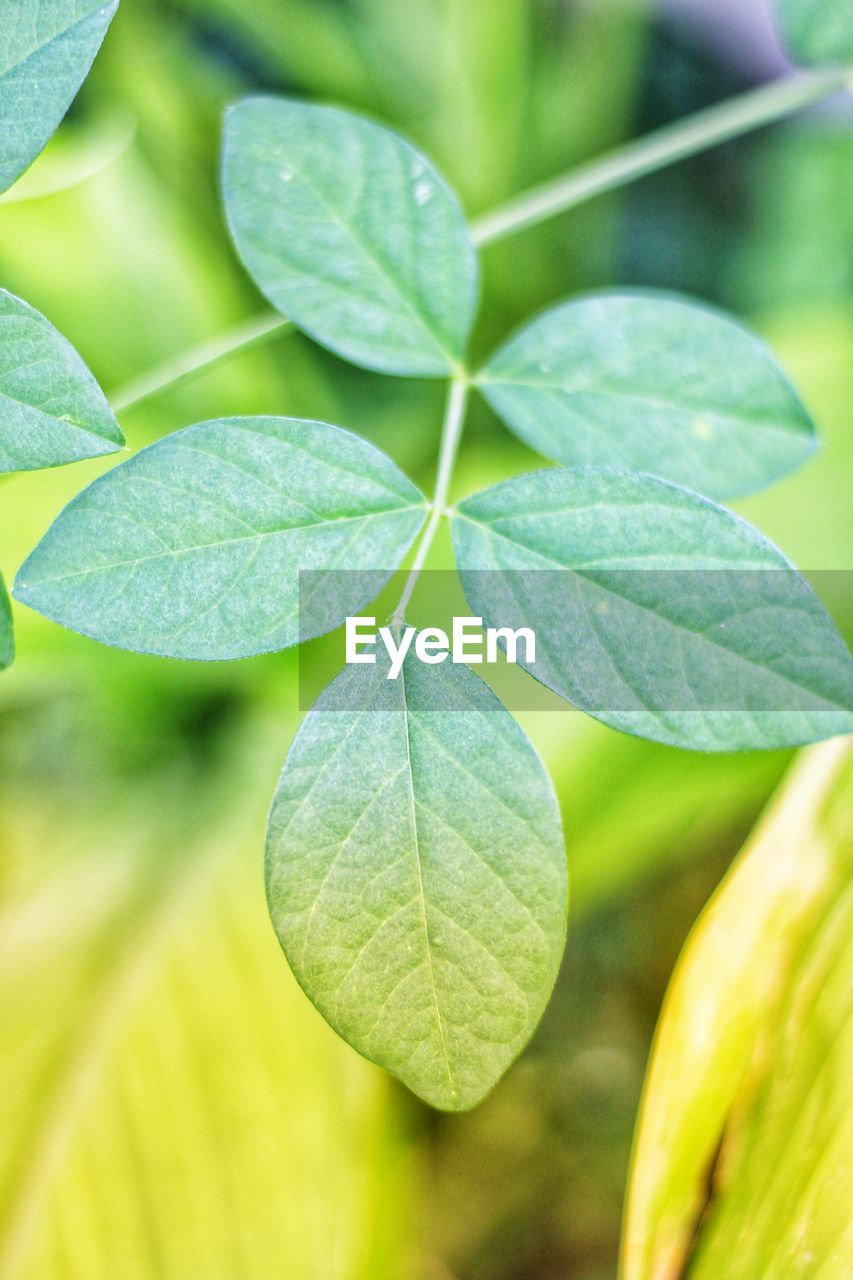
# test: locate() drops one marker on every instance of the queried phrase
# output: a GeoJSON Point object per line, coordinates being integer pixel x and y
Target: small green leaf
{"type": "Point", "coordinates": [192, 549]}
{"type": "Point", "coordinates": [416, 876]}
{"type": "Point", "coordinates": [817, 32]}
{"type": "Point", "coordinates": [655, 610]}
{"type": "Point", "coordinates": [351, 233]}
{"type": "Point", "coordinates": [52, 410]}
{"type": "Point", "coordinates": [651, 383]}
{"type": "Point", "coordinates": [46, 50]}
{"type": "Point", "coordinates": [741, 1167]}
{"type": "Point", "coordinates": [7, 634]}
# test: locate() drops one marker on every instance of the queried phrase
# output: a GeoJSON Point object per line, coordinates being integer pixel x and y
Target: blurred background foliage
{"type": "Point", "coordinates": [171, 1105]}
{"type": "Point", "coordinates": [742, 1161]}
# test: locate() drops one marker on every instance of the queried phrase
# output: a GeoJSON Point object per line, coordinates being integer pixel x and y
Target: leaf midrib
{"type": "Point", "coordinates": [652, 402]}
{"type": "Point", "coordinates": [150, 919]}
{"type": "Point", "coordinates": [337, 217]}
{"type": "Point", "coordinates": [52, 418]}
{"type": "Point", "coordinates": [831, 704]}
{"type": "Point", "coordinates": [420, 880]}
{"type": "Point", "coordinates": [223, 542]}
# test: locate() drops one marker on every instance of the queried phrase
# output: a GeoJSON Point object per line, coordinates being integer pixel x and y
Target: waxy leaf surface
{"type": "Point", "coordinates": [7, 635]}
{"type": "Point", "coordinates": [416, 875]}
{"type": "Point", "coordinates": [817, 32]}
{"type": "Point", "coordinates": [651, 383]}
{"type": "Point", "coordinates": [655, 610]}
{"type": "Point", "coordinates": [351, 233]}
{"type": "Point", "coordinates": [46, 50]}
{"type": "Point", "coordinates": [192, 549]}
{"type": "Point", "coordinates": [52, 410]}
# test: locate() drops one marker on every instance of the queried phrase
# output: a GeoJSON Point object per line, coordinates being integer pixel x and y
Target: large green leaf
{"type": "Point", "coordinates": [52, 410]}
{"type": "Point", "coordinates": [655, 610]}
{"type": "Point", "coordinates": [7, 634]}
{"type": "Point", "coordinates": [416, 875]}
{"type": "Point", "coordinates": [170, 1104]}
{"type": "Point", "coordinates": [46, 50]}
{"type": "Point", "coordinates": [742, 1159]}
{"type": "Point", "coordinates": [193, 548]}
{"type": "Point", "coordinates": [651, 383]}
{"type": "Point", "coordinates": [817, 31]}
{"type": "Point", "coordinates": [351, 233]}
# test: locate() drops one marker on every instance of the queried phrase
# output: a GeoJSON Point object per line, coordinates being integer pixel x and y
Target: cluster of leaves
{"type": "Point", "coordinates": [52, 411]}
{"type": "Point", "coordinates": [416, 872]}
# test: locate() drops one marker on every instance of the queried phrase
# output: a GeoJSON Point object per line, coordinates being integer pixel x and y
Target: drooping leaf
{"type": "Point", "coordinates": [742, 1163]}
{"type": "Point", "coordinates": [7, 634]}
{"type": "Point", "coordinates": [351, 233]}
{"type": "Point", "coordinates": [416, 875]}
{"type": "Point", "coordinates": [655, 610]}
{"type": "Point", "coordinates": [52, 410]}
{"type": "Point", "coordinates": [193, 548]}
{"type": "Point", "coordinates": [46, 50]}
{"type": "Point", "coordinates": [651, 383]}
{"type": "Point", "coordinates": [818, 32]}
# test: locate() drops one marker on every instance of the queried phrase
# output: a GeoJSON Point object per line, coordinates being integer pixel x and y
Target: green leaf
{"type": "Point", "coordinates": [651, 383]}
{"type": "Point", "coordinates": [7, 634]}
{"type": "Point", "coordinates": [818, 32]}
{"type": "Point", "coordinates": [741, 1165]}
{"type": "Point", "coordinates": [192, 549]}
{"type": "Point", "coordinates": [655, 610]}
{"type": "Point", "coordinates": [52, 410]}
{"type": "Point", "coordinates": [351, 233]}
{"type": "Point", "coordinates": [416, 876]}
{"type": "Point", "coordinates": [46, 50]}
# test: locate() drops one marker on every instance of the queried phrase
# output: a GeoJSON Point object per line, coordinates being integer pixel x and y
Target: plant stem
{"type": "Point", "coordinates": [204, 356]}
{"type": "Point", "coordinates": [454, 420]}
{"type": "Point", "coordinates": [637, 159]}
{"type": "Point", "coordinates": [665, 146]}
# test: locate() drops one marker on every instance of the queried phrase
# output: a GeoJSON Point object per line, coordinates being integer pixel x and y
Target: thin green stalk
{"type": "Point", "coordinates": [204, 356]}
{"type": "Point", "coordinates": [454, 421]}
{"type": "Point", "coordinates": [664, 147]}
{"type": "Point", "coordinates": [637, 159]}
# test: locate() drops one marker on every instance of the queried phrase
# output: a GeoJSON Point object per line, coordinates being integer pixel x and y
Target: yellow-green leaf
{"type": "Point", "coordinates": [742, 1161]}
{"type": "Point", "coordinates": [170, 1104]}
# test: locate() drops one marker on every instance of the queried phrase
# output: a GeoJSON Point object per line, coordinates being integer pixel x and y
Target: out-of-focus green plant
{"type": "Point", "coordinates": [742, 1161]}
{"type": "Point", "coordinates": [7, 643]}
{"type": "Point", "coordinates": [169, 1106]}
{"type": "Point", "coordinates": [818, 31]}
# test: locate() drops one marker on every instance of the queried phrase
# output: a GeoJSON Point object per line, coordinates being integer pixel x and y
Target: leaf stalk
{"type": "Point", "coordinates": [731, 119]}
{"type": "Point", "coordinates": [204, 355]}
{"type": "Point", "coordinates": [451, 434]}
{"type": "Point", "coordinates": [697, 133]}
